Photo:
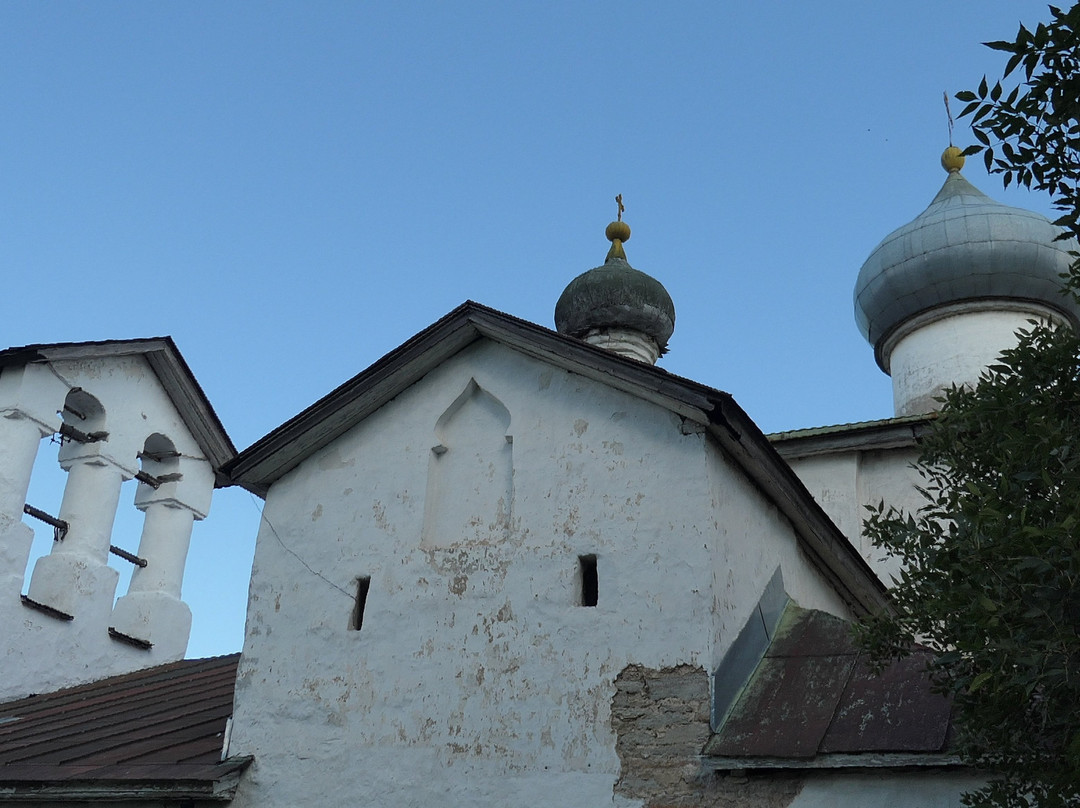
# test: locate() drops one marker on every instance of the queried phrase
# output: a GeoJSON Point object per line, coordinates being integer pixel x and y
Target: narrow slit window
{"type": "Point", "coordinates": [362, 586]}
{"type": "Point", "coordinates": [589, 583]}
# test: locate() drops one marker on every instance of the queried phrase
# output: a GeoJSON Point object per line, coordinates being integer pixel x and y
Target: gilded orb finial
{"type": "Point", "coordinates": [618, 232]}
{"type": "Point", "coordinates": [952, 159]}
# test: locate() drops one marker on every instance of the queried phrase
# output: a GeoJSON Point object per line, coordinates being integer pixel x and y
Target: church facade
{"type": "Point", "coordinates": [512, 566]}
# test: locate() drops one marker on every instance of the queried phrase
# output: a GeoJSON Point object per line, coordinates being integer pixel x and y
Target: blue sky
{"type": "Point", "coordinates": [292, 189]}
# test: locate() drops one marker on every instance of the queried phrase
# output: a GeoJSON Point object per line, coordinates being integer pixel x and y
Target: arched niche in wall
{"type": "Point", "coordinates": [470, 473]}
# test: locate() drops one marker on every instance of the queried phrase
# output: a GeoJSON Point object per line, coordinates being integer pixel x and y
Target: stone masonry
{"type": "Point", "coordinates": [661, 722]}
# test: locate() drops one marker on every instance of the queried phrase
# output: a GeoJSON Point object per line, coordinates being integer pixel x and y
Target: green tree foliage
{"type": "Point", "coordinates": [991, 582]}
{"type": "Point", "coordinates": [991, 575]}
{"type": "Point", "coordinates": [1031, 133]}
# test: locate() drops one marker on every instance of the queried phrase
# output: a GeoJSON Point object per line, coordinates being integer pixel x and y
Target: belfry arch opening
{"type": "Point", "coordinates": [83, 412]}
{"type": "Point", "coordinates": [159, 457]}
{"type": "Point", "coordinates": [82, 418]}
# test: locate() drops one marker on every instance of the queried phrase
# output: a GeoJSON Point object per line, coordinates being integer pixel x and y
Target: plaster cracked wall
{"type": "Point", "coordinates": [661, 722]}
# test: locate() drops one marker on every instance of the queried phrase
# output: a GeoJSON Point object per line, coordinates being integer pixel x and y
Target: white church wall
{"type": "Point", "coordinates": [952, 345]}
{"type": "Point", "coordinates": [886, 476]}
{"type": "Point", "coordinates": [846, 481]}
{"type": "Point", "coordinates": [476, 671]}
{"type": "Point", "coordinates": [935, 788]}
{"type": "Point", "coordinates": [750, 541]}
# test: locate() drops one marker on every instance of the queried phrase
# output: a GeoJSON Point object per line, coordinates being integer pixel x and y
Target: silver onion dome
{"type": "Point", "coordinates": [964, 247]}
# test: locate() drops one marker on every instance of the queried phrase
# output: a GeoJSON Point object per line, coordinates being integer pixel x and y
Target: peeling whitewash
{"type": "Point", "coordinates": [467, 501]}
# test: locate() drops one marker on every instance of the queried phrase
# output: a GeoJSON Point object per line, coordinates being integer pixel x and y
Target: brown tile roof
{"type": "Point", "coordinates": [155, 732]}
{"type": "Point", "coordinates": [813, 700]}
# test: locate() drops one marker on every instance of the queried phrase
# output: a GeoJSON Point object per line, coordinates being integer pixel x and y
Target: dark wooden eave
{"type": "Point", "coordinates": [703, 408]}
{"type": "Point", "coordinates": [887, 433]}
{"type": "Point", "coordinates": [167, 363]}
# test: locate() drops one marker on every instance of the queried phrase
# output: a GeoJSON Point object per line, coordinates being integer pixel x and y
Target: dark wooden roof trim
{"type": "Point", "coordinates": [866, 760]}
{"type": "Point", "coordinates": [281, 450]}
{"type": "Point", "coordinates": [827, 548]}
{"type": "Point", "coordinates": [30, 783]}
{"type": "Point", "coordinates": [888, 433]}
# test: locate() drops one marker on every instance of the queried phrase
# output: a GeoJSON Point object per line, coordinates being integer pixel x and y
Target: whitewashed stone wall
{"type": "Point", "coordinates": [952, 346]}
{"type": "Point", "coordinates": [845, 482]}
{"type": "Point", "coordinates": [933, 788]}
{"type": "Point", "coordinates": [477, 676]}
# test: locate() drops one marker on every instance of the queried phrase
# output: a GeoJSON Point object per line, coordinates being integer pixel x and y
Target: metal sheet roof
{"type": "Point", "coordinates": [159, 730]}
{"type": "Point", "coordinates": [814, 695]}
{"type": "Point", "coordinates": [886, 433]}
{"type": "Point", "coordinates": [853, 427]}
{"type": "Point", "coordinates": [964, 246]}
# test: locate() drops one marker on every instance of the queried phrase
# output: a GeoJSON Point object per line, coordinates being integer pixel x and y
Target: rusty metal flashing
{"type": "Point", "coordinates": [120, 552]}
{"type": "Point", "coordinates": [167, 363]}
{"type": "Point", "coordinates": [149, 479]}
{"type": "Point", "coordinates": [60, 527]}
{"type": "Point", "coordinates": [71, 433]}
{"type": "Point", "coordinates": [49, 610]}
{"type": "Point", "coordinates": [272, 456]}
{"type": "Point", "coordinates": [748, 649]}
{"type": "Point", "coordinates": [814, 697]}
{"type": "Point", "coordinates": [127, 639]}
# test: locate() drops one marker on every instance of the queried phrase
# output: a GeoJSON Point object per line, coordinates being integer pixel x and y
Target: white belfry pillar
{"type": "Point", "coordinates": [20, 438]}
{"type": "Point", "coordinates": [29, 399]}
{"type": "Point", "coordinates": [75, 577]}
{"type": "Point", "coordinates": [166, 536]}
{"type": "Point", "coordinates": [152, 610]}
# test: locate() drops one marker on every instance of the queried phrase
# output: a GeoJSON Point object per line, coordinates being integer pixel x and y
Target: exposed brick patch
{"type": "Point", "coordinates": [661, 723]}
